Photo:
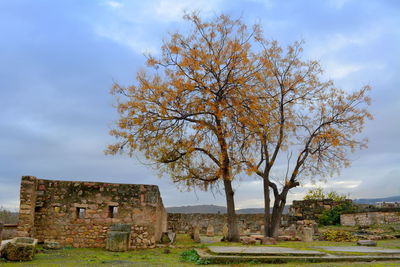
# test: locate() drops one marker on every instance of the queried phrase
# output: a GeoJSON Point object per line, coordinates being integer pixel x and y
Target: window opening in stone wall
{"type": "Point", "coordinates": [80, 213]}
{"type": "Point", "coordinates": [112, 211]}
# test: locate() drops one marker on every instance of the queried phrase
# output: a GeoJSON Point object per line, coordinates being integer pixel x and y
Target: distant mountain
{"type": "Point", "coordinates": [197, 209]}
{"type": "Point", "coordinates": [373, 201]}
{"type": "Point", "coordinates": [250, 211]}
{"type": "Point", "coordinates": [214, 209]}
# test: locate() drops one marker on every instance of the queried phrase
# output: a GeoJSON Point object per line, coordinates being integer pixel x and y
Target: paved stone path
{"type": "Point", "coordinates": [263, 251]}
{"type": "Point", "coordinates": [360, 249]}
{"type": "Point", "coordinates": [277, 255]}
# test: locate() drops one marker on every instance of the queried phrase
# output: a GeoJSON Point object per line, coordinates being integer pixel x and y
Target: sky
{"type": "Point", "coordinates": [59, 59]}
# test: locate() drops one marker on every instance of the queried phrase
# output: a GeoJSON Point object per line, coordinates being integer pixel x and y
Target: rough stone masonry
{"type": "Point", "coordinates": [80, 213]}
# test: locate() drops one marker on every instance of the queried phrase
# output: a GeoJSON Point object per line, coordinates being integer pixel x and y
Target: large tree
{"type": "Point", "coordinates": [306, 128]}
{"type": "Point", "coordinates": [183, 113]}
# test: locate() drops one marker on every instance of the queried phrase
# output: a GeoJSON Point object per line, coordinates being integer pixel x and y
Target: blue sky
{"type": "Point", "coordinates": [58, 60]}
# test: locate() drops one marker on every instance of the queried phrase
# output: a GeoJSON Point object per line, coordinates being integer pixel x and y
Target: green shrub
{"type": "Point", "coordinates": [192, 256]}
{"type": "Point", "coordinates": [338, 236]}
{"type": "Point", "coordinates": [332, 216]}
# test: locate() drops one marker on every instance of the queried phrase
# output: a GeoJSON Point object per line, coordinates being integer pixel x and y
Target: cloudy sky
{"type": "Point", "coordinates": [58, 60]}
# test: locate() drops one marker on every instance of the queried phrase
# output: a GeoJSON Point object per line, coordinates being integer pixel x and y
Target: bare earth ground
{"type": "Point", "coordinates": [172, 256]}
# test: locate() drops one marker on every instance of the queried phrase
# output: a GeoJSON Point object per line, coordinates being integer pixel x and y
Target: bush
{"type": "Point", "coordinates": [319, 194]}
{"type": "Point", "coordinates": [338, 236]}
{"type": "Point", "coordinates": [192, 256]}
{"type": "Point", "coordinates": [332, 216]}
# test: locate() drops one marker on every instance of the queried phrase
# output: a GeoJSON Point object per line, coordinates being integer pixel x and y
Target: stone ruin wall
{"type": "Point", "coordinates": [370, 218]}
{"type": "Point", "coordinates": [183, 222]}
{"type": "Point", "coordinates": [311, 209]}
{"type": "Point", "coordinates": [49, 211]}
{"type": "Point", "coordinates": [364, 214]}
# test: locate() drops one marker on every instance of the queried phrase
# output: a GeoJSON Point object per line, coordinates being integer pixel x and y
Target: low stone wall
{"type": "Point", "coordinates": [369, 218]}
{"type": "Point", "coordinates": [183, 222]}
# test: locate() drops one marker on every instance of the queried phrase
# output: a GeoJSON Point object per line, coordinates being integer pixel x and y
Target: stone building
{"type": "Point", "coordinates": [80, 213]}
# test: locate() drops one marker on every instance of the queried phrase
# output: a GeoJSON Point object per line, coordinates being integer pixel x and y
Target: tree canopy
{"type": "Point", "coordinates": [222, 99]}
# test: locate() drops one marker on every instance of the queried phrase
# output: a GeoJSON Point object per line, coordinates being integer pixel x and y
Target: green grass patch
{"type": "Point", "coordinates": [173, 256]}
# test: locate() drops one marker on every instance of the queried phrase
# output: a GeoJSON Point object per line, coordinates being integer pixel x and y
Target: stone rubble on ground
{"type": "Point", "coordinates": [20, 249]}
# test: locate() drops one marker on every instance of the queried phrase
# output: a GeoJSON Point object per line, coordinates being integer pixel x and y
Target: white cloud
{"type": "Point", "coordinates": [334, 185]}
{"type": "Point", "coordinates": [336, 70]}
{"type": "Point", "coordinates": [114, 4]}
{"type": "Point", "coordinates": [141, 25]}
{"type": "Point", "coordinates": [131, 37]}
{"type": "Point", "coordinates": [172, 10]}
{"type": "Point", "coordinates": [332, 44]}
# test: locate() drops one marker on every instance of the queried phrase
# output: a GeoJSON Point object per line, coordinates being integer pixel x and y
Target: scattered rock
{"type": "Point", "coordinates": [168, 237]}
{"type": "Point", "coordinates": [288, 238]}
{"type": "Point", "coordinates": [20, 249]}
{"type": "Point", "coordinates": [374, 237]}
{"type": "Point", "coordinates": [210, 230]}
{"type": "Point", "coordinates": [196, 234]}
{"type": "Point", "coordinates": [225, 231]}
{"type": "Point", "coordinates": [290, 231]}
{"type": "Point", "coordinates": [262, 229]}
{"type": "Point", "coordinates": [51, 245]}
{"type": "Point", "coordinates": [307, 234]}
{"type": "Point", "coordinates": [284, 238]}
{"type": "Point", "coordinates": [257, 237]}
{"type": "Point", "coordinates": [388, 237]}
{"type": "Point", "coordinates": [268, 241]}
{"type": "Point", "coordinates": [172, 237]}
{"type": "Point", "coordinates": [370, 243]}
{"type": "Point", "coordinates": [247, 240]}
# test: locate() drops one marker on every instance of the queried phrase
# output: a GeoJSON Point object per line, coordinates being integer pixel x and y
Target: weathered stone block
{"type": "Point", "coordinates": [268, 241]}
{"type": "Point", "coordinates": [210, 230]}
{"type": "Point", "coordinates": [20, 249]}
{"type": "Point", "coordinates": [117, 241]}
{"type": "Point", "coordinates": [307, 234]}
{"type": "Point", "coordinates": [196, 234]}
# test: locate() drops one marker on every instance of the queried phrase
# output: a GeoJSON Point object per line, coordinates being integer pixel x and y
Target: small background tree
{"type": "Point", "coordinates": [319, 194]}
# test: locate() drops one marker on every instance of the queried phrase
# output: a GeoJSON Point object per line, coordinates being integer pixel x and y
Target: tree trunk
{"type": "Point", "coordinates": [267, 213]}
{"type": "Point", "coordinates": [276, 218]}
{"type": "Point", "coordinates": [279, 205]}
{"type": "Point", "coordinates": [233, 230]}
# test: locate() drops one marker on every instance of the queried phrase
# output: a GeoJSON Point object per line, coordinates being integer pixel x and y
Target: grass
{"type": "Point", "coordinates": [173, 256]}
